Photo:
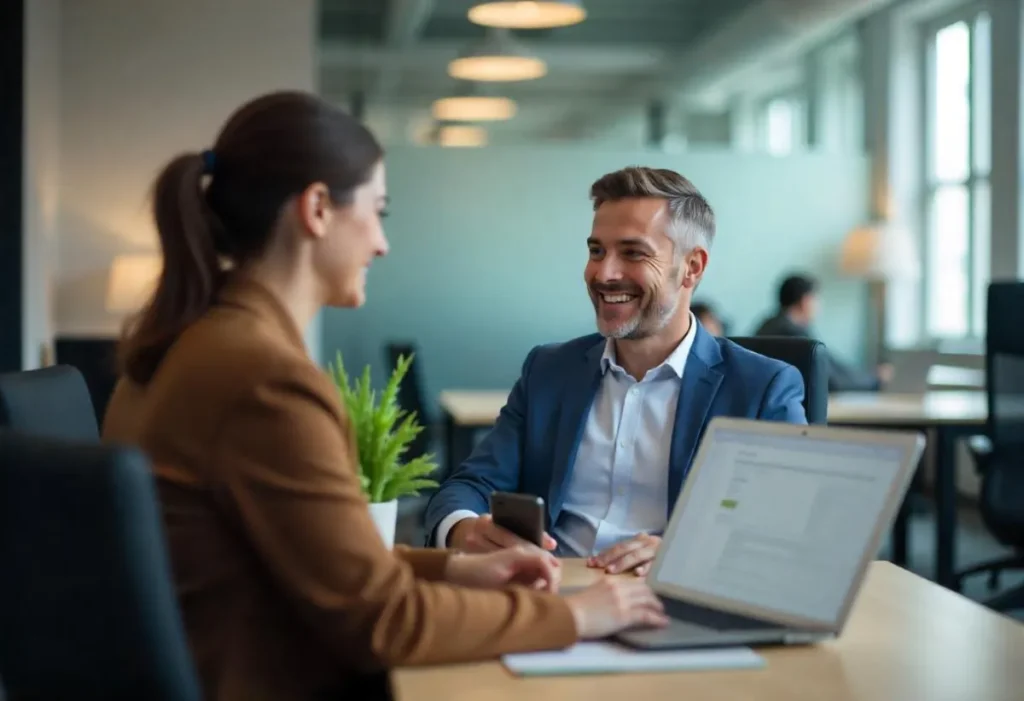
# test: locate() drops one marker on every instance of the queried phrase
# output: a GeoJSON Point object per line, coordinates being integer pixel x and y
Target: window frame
{"type": "Point", "coordinates": [930, 185]}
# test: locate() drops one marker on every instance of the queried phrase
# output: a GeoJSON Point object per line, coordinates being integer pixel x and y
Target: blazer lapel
{"type": "Point", "coordinates": [580, 389]}
{"type": "Point", "coordinates": [696, 393]}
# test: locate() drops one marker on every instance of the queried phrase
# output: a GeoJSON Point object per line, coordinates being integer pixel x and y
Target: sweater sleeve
{"type": "Point", "coordinates": [288, 466]}
{"type": "Point", "coordinates": [427, 563]}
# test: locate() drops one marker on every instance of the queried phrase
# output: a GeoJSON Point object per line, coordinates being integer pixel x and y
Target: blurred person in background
{"type": "Point", "coordinates": [705, 314]}
{"type": "Point", "coordinates": [799, 305]}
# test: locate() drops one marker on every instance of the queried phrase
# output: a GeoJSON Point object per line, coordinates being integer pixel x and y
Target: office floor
{"type": "Point", "coordinates": [973, 545]}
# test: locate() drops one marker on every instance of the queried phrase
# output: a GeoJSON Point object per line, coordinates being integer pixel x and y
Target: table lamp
{"type": "Point", "coordinates": [880, 252]}
{"type": "Point", "coordinates": [132, 280]}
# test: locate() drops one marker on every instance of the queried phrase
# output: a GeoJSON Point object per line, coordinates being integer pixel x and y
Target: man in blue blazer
{"type": "Point", "coordinates": [605, 427]}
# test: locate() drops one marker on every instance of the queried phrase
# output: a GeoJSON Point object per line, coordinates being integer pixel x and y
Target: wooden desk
{"type": "Point", "coordinates": [945, 416]}
{"type": "Point", "coordinates": [960, 408]}
{"type": "Point", "coordinates": [465, 412]}
{"type": "Point", "coordinates": [907, 639]}
{"type": "Point", "coordinates": [473, 408]}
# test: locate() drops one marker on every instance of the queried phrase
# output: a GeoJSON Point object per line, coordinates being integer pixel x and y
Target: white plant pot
{"type": "Point", "coordinates": [385, 516]}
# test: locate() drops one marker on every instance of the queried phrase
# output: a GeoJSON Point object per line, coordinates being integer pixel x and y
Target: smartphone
{"type": "Point", "coordinates": [521, 514]}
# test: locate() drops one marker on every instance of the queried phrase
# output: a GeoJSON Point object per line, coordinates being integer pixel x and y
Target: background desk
{"type": "Point", "coordinates": [906, 639]}
{"type": "Point", "coordinates": [945, 416]}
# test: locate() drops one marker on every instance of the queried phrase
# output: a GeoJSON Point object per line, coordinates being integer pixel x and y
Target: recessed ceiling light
{"type": "Point", "coordinates": [461, 136]}
{"type": "Point", "coordinates": [473, 108]}
{"type": "Point", "coordinates": [498, 58]}
{"type": "Point", "coordinates": [528, 14]}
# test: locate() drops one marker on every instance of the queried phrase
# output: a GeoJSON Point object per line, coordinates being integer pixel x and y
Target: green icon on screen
{"type": "Point", "coordinates": [729, 503]}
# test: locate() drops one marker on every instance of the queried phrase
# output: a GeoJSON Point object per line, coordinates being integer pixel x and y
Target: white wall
{"type": "Point", "coordinates": [143, 81]}
{"type": "Point", "coordinates": [41, 172]}
{"type": "Point", "coordinates": [488, 248]}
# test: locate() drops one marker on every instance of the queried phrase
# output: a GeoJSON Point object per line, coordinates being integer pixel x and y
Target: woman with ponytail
{"type": "Point", "coordinates": [286, 590]}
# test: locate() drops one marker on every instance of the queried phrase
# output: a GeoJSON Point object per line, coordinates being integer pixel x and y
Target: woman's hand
{"type": "Point", "coordinates": [526, 565]}
{"type": "Point", "coordinates": [613, 604]}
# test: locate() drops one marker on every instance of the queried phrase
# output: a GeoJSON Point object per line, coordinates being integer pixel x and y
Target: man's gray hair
{"type": "Point", "coordinates": [693, 220]}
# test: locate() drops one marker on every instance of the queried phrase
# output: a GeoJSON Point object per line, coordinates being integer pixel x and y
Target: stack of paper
{"type": "Point", "coordinates": [609, 658]}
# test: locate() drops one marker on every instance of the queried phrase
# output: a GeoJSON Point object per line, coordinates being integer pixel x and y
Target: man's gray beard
{"type": "Point", "coordinates": [635, 328]}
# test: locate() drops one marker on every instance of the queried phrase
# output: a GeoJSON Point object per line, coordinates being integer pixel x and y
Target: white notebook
{"type": "Point", "coordinates": [610, 658]}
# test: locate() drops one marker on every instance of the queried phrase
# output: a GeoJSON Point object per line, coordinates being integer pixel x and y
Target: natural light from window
{"type": "Point", "coordinates": [780, 127]}
{"type": "Point", "coordinates": [957, 175]}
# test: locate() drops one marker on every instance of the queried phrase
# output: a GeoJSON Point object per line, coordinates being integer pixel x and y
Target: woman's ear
{"type": "Point", "coordinates": [314, 210]}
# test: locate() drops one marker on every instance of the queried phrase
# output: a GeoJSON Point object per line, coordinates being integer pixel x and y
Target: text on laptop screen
{"type": "Point", "coordinates": [780, 522]}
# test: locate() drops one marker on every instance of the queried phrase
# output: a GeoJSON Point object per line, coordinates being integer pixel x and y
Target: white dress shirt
{"type": "Point", "coordinates": [619, 483]}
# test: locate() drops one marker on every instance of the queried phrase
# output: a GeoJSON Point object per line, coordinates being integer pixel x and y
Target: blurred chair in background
{"type": "Point", "coordinates": [809, 357]}
{"type": "Point", "coordinates": [1002, 466]}
{"type": "Point", "coordinates": [96, 359]}
{"type": "Point", "coordinates": [52, 402]}
{"type": "Point", "coordinates": [86, 598]}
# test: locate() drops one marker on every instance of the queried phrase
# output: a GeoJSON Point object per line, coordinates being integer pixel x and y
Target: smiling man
{"type": "Point", "coordinates": [604, 427]}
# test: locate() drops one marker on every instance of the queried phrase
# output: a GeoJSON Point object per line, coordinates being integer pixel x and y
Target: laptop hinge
{"type": "Point", "coordinates": [806, 637]}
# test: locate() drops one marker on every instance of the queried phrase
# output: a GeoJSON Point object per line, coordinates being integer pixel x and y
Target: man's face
{"type": "Point", "coordinates": [809, 306]}
{"type": "Point", "coordinates": [634, 276]}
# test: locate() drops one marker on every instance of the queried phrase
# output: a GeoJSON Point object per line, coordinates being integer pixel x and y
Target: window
{"type": "Point", "coordinates": [840, 95]}
{"type": "Point", "coordinates": [956, 178]}
{"type": "Point", "coordinates": [782, 125]}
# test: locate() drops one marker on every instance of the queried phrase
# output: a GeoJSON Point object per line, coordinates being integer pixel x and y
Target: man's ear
{"type": "Point", "coordinates": [314, 210]}
{"type": "Point", "coordinates": [694, 265]}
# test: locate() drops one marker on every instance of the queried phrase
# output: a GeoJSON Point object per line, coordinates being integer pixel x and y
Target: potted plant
{"type": "Point", "coordinates": [383, 432]}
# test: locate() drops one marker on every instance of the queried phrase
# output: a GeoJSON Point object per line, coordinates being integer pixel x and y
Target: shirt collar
{"type": "Point", "coordinates": [676, 360]}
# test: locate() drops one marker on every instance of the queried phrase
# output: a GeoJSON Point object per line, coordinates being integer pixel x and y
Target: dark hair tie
{"type": "Point", "coordinates": [209, 160]}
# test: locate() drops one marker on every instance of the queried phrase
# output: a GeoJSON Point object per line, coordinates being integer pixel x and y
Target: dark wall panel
{"type": "Point", "coordinates": [12, 103]}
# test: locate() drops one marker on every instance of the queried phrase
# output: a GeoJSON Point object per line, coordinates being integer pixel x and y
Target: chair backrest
{"type": "Point", "coordinates": [86, 598]}
{"type": "Point", "coordinates": [1002, 489]}
{"type": "Point", "coordinates": [96, 359]}
{"type": "Point", "coordinates": [809, 357]}
{"type": "Point", "coordinates": [410, 395]}
{"type": "Point", "coordinates": [1004, 366]}
{"type": "Point", "coordinates": [51, 402]}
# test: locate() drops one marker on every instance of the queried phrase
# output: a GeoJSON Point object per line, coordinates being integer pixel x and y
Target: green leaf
{"type": "Point", "coordinates": [408, 489]}
{"type": "Point", "coordinates": [383, 433]}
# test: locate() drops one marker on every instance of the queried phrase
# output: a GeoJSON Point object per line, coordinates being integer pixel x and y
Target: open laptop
{"type": "Point", "coordinates": [771, 536]}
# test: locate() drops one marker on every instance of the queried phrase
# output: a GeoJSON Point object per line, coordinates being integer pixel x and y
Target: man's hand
{"type": "Point", "coordinates": [480, 535]}
{"type": "Point", "coordinates": [635, 554]}
{"type": "Point", "coordinates": [527, 565]}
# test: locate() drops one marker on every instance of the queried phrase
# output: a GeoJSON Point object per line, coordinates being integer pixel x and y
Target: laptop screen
{"type": "Point", "coordinates": [780, 522]}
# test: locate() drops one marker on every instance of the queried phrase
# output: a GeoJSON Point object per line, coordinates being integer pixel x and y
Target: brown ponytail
{"type": "Point", "coordinates": [188, 282]}
{"type": "Point", "coordinates": [270, 150]}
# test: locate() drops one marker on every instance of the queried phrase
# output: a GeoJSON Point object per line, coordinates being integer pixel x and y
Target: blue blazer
{"type": "Point", "coordinates": [532, 447]}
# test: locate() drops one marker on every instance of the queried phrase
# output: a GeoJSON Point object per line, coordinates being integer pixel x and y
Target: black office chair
{"type": "Point", "coordinates": [1002, 467]}
{"type": "Point", "coordinates": [410, 396]}
{"type": "Point", "coordinates": [808, 357]}
{"type": "Point", "coordinates": [51, 402]}
{"type": "Point", "coordinates": [86, 599]}
{"type": "Point", "coordinates": [96, 359]}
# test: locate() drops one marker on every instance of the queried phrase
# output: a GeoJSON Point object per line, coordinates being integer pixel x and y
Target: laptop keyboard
{"type": "Point", "coordinates": [711, 618]}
